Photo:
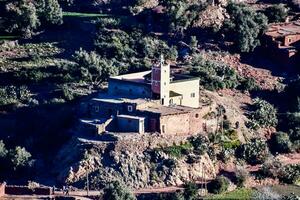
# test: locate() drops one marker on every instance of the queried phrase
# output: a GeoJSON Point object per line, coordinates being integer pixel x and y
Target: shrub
{"type": "Point", "coordinates": [241, 175]}
{"type": "Point", "coordinates": [93, 68]}
{"type": "Point", "coordinates": [178, 150]}
{"type": "Point", "coordinates": [248, 84]}
{"type": "Point", "coordinates": [264, 114]}
{"type": "Point", "coordinates": [20, 157]}
{"type": "Point", "coordinates": [116, 191]}
{"type": "Point", "coordinates": [289, 174]}
{"type": "Point", "coordinates": [3, 150]}
{"type": "Point", "coordinates": [276, 13]}
{"type": "Point", "coordinates": [271, 167]}
{"type": "Point", "coordinates": [200, 144]}
{"type": "Point", "coordinates": [213, 75]}
{"type": "Point", "coordinates": [190, 191]}
{"type": "Point", "coordinates": [219, 185]}
{"type": "Point", "coordinates": [254, 152]}
{"type": "Point", "coordinates": [281, 142]}
{"type": "Point", "coordinates": [244, 26]}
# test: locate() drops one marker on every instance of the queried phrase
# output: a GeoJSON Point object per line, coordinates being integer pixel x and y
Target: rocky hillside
{"type": "Point", "coordinates": [138, 161]}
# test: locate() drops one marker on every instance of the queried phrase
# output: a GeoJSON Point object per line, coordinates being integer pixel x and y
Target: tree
{"type": "Point", "coordinates": [20, 157]}
{"type": "Point", "coordinates": [93, 68]}
{"type": "Point", "coordinates": [244, 26]}
{"type": "Point", "coordinates": [281, 142]}
{"type": "Point", "coordinates": [219, 185]}
{"type": "Point", "coordinates": [116, 191]}
{"type": "Point", "coordinates": [22, 17]}
{"type": "Point", "coordinates": [3, 150]}
{"type": "Point", "coordinates": [264, 114]}
{"type": "Point", "coordinates": [50, 11]}
{"type": "Point", "coordinates": [276, 13]}
{"type": "Point", "coordinates": [190, 191]}
{"type": "Point", "coordinates": [254, 152]}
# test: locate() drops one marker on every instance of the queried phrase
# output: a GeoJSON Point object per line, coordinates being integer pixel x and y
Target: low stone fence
{"type": "Point", "coordinates": [25, 190]}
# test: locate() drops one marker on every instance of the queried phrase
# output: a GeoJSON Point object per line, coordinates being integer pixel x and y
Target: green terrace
{"type": "Point", "coordinates": [84, 15]}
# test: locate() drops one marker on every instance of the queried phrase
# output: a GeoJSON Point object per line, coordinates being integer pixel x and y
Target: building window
{"type": "Point", "coordinates": [96, 108]}
{"type": "Point", "coordinates": [171, 102]}
{"type": "Point", "coordinates": [193, 95]}
{"type": "Point", "coordinates": [290, 40]}
{"type": "Point", "coordinates": [163, 128]}
{"type": "Point", "coordinates": [197, 115]}
{"type": "Point", "coordinates": [130, 108]}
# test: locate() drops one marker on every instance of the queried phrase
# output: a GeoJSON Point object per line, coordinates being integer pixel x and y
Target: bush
{"type": "Point", "coordinates": [254, 152]}
{"type": "Point", "coordinates": [264, 114]}
{"type": "Point", "coordinates": [20, 157]}
{"type": "Point", "coordinates": [241, 175]}
{"type": "Point", "coordinates": [271, 167]}
{"type": "Point", "coordinates": [200, 144]}
{"type": "Point", "coordinates": [190, 191]}
{"type": "Point", "coordinates": [248, 84]}
{"type": "Point", "coordinates": [213, 75]}
{"type": "Point", "coordinates": [244, 27]}
{"type": "Point", "coordinates": [281, 143]}
{"type": "Point", "coordinates": [219, 185]}
{"type": "Point", "coordinates": [289, 174]}
{"type": "Point", "coordinates": [178, 150]}
{"type": "Point", "coordinates": [116, 191]}
{"type": "Point", "coordinates": [276, 13]}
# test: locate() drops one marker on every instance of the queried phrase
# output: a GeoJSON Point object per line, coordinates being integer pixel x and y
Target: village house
{"type": "Point", "coordinates": [283, 42]}
{"type": "Point", "coordinates": [160, 100]}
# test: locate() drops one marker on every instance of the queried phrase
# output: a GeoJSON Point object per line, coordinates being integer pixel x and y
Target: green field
{"type": "Point", "coordinates": [243, 193]}
{"type": "Point", "coordinates": [8, 37]}
{"type": "Point", "coordinates": [78, 14]}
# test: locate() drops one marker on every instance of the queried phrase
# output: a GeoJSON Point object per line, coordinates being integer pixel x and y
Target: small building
{"type": "Point", "coordinates": [160, 100]}
{"type": "Point", "coordinates": [283, 42]}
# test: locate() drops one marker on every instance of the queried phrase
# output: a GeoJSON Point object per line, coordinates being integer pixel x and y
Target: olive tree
{"type": "Point", "coordinates": [276, 13]}
{"type": "Point", "coordinates": [20, 157]}
{"type": "Point", "coordinates": [116, 191]}
{"type": "Point", "coordinates": [244, 26]}
{"type": "Point", "coordinates": [93, 68]}
{"type": "Point", "coordinates": [264, 114]}
{"type": "Point", "coordinates": [254, 152]}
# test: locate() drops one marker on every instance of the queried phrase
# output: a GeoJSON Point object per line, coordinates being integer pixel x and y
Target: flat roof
{"type": "Point", "coordinates": [283, 29]}
{"type": "Point", "coordinates": [105, 97]}
{"type": "Point", "coordinates": [130, 117]}
{"type": "Point", "coordinates": [145, 77]}
{"type": "Point", "coordinates": [138, 77]}
{"type": "Point", "coordinates": [168, 110]}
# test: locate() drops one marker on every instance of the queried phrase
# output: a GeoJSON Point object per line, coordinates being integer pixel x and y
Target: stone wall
{"type": "Point", "coordinates": [25, 190]}
{"type": "Point", "coordinates": [129, 89]}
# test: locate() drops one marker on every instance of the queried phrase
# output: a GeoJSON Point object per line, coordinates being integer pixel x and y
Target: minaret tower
{"type": "Point", "coordinates": [160, 80]}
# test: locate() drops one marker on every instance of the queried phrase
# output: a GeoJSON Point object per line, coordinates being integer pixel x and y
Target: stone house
{"type": "Point", "coordinates": [282, 41]}
{"type": "Point", "coordinates": [159, 100]}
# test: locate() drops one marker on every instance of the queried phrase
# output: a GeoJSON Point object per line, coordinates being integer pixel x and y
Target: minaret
{"type": "Point", "coordinates": [161, 81]}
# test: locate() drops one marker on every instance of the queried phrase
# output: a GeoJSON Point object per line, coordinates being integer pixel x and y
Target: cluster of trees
{"type": "Point", "coordinates": [129, 48]}
{"type": "Point", "coordinates": [244, 26]}
{"type": "Point", "coordinates": [13, 160]}
{"type": "Point", "coordinates": [24, 17]}
{"type": "Point", "coordinates": [263, 115]}
{"type": "Point", "coordinates": [14, 95]}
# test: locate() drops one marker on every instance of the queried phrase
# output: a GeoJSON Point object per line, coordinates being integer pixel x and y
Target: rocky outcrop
{"type": "Point", "coordinates": [133, 160]}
